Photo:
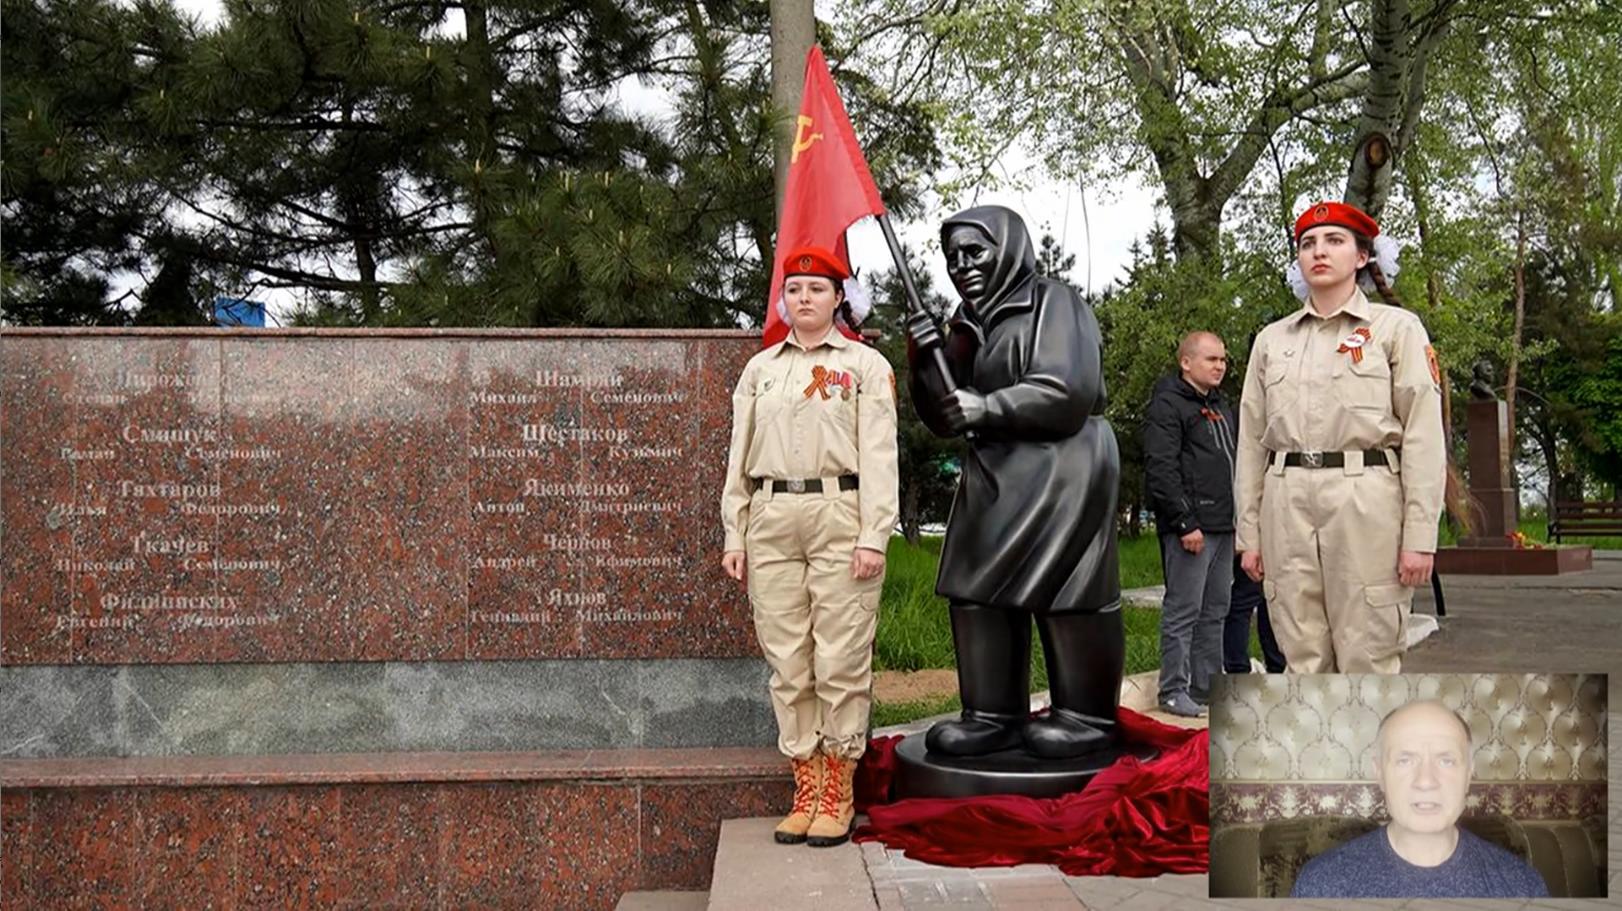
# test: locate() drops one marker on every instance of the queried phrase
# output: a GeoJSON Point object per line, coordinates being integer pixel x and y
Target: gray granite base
{"type": "Point", "coordinates": [237, 709]}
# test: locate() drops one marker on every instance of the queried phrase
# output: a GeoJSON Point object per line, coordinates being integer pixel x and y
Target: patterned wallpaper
{"type": "Point", "coordinates": [1290, 745]}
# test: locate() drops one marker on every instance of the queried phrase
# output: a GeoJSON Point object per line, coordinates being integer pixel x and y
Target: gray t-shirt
{"type": "Point", "coordinates": [1368, 867]}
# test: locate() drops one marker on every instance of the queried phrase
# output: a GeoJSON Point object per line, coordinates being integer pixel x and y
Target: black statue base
{"type": "Point", "coordinates": [920, 773]}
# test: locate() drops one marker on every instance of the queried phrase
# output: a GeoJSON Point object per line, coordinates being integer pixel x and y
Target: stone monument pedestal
{"type": "Point", "coordinates": [1492, 551]}
{"type": "Point", "coordinates": [920, 773]}
{"type": "Point", "coordinates": [1513, 561]}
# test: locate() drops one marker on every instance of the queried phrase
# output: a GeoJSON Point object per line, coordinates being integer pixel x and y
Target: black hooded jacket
{"type": "Point", "coordinates": [1033, 523]}
{"type": "Point", "coordinates": [1188, 458]}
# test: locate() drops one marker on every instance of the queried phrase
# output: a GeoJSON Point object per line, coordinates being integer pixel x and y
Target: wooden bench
{"type": "Point", "coordinates": [1585, 520]}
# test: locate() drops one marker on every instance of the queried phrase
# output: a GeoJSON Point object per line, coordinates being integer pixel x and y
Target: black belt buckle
{"type": "Point", "coordinates": [1312, 460]}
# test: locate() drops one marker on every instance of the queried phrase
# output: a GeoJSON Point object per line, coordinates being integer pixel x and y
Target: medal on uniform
{"type": "Point", "coordinates": [1353, 344]}
{"type": "Point", "coordinates": [822, 378]}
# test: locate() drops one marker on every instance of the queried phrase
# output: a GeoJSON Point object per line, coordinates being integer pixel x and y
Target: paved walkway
{"type": "Point", "coordinates": [1517, 624]}
{"type": "Point", "coordinates": [1526, 624]}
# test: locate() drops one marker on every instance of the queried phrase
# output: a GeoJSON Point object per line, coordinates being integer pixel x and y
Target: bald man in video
{"type": "Point", "coordinates": [1425, 761]}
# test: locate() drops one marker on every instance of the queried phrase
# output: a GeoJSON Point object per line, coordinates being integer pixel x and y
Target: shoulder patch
{"type": "Point", "coordinates": [1436, 368]}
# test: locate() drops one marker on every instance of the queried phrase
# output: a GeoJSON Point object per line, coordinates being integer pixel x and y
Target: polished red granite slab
{"type": "Point", "coordinates": [1512, 561]}
{"type": "Point", "coordinates": [567, 831]}
{"type": "Point", "coordinates": [387, 768]}
{"type": "Point", "coordinates": [203, 495]}
{"type": "Point", "coordinates": [683, 822]}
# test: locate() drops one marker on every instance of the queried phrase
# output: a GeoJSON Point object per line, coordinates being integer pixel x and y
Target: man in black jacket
{"type": "Point", "coordinates": [1188, 451]}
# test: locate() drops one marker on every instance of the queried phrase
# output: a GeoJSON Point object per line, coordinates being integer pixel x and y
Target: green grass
{"type": "Point", "coordinates": [915, 630]}
{"type": "Point", "coordinates": [888, 713]}
{"type": "Point", "coordinates": [1536, 529]}
{"type": "Point", "coordinates": [1140, 562]}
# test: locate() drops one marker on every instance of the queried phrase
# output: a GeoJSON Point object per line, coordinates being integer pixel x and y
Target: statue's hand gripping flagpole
{"type": "Point", "coordinates": [915, 304]}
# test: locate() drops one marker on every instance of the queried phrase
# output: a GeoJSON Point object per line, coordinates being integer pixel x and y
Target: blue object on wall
{"type": "Point", "coordinates": [231, 311]}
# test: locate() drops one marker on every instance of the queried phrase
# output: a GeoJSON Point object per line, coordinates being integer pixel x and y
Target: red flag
{"type": "Point", "coordinates": [829, 187]}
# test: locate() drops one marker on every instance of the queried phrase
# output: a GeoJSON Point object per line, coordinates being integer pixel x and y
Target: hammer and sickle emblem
{"type": "Point", "coordinates": [803, 137]}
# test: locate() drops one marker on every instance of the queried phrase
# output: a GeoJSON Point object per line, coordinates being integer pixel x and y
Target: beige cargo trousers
{"type": "Point", "coordinates": [815, 623]}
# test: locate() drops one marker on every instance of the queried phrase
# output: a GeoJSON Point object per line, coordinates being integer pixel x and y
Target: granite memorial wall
{"type": "Point", "coordinates": [174, 498]}
{"type": "Point", "coordinates": [371, 515]}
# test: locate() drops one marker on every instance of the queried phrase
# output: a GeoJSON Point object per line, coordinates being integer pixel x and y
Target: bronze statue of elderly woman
{"type": "Point", "coordinates": [1032, 528]}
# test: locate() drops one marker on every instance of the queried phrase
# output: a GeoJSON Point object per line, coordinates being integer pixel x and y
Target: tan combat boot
{"type": "Point", "coordinates": [807, 786]}
{"type": "Point", "coordinates": [836, 809]}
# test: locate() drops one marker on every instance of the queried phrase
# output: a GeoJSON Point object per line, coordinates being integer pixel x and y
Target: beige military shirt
{"type": "Point", "coordinates": [1363, 377]}
{"type": "Point", "coordinates": [815, 412]}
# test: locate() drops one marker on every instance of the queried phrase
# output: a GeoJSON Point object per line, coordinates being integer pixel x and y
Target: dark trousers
{"type": "Point", "coordinates": [1248, 597]}
{"type": "Point", "coordinates": [1192, 612]}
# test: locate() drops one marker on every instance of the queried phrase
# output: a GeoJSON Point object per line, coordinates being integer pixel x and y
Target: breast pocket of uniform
{"type": "Point", "coordinates": [1277, 392]}
{"type": "Point", "coordinates": [768, 400]}
{"type": "Point", "coordinates": [838, 412]}
{"type": "Point", "coordinates": [1364, 383]}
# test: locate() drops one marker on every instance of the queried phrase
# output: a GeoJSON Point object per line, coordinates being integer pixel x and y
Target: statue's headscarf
{"type": "Point", "coordinates": [1016, 257]}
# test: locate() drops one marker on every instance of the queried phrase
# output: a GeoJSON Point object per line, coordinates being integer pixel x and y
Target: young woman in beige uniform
{"type": "Point", "coordinates": [1342, 460]}
{"type": "Point", "coordinates": [809, 506]}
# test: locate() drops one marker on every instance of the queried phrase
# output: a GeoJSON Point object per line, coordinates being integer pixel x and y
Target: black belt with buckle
{"type": "Point", "coordinates": [810, 485]}
{"type": "Point", "coordinates": [1324, 459]}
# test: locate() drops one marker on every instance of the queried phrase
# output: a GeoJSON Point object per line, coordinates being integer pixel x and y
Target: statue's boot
{"type": "Point", "coordinates": [993, 676]}
{"type": "Point", "coordinates": [1086, 655]}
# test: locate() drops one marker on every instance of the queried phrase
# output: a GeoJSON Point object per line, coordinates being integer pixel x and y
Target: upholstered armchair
{"type": "Point", "coordinates": [1261, 860]}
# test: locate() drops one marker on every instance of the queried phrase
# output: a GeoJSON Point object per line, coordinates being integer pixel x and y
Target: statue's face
{"type": "Point", "coordinates": [970, 261]}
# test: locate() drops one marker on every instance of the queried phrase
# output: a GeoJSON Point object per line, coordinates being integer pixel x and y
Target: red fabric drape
{"type": "Point", "coordinates": [1133, 819]}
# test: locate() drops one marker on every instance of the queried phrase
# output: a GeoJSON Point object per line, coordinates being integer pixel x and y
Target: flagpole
{"type": "Point", "coordinates": [915, 304]}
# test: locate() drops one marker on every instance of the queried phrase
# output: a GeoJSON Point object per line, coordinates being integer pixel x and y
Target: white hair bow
{"type": "Point", "coordinates": [860, 304]}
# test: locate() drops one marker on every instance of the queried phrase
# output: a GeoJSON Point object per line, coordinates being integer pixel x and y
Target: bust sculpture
{"type": "Point", "coordinates": [1481, 386]}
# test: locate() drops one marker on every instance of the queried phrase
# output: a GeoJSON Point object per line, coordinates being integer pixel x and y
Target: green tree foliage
{"type": "Point", "coordinates": [1161, 300]}
{"type": "Point", "coordinates": [396, 172]}
{"type": "Point", "coordinates": [77, 193]}
{"type": "Point", "coordinates": [1241, 112]}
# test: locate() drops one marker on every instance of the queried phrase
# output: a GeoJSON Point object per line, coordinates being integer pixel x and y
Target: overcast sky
{"type": "Point", "coordinates": [1118, 214]}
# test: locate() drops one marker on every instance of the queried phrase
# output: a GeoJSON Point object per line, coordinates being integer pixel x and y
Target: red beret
{"type": "Point", "coordinates": [1336, 213]}
{"type": "Point", "coordinates": [814, 261]}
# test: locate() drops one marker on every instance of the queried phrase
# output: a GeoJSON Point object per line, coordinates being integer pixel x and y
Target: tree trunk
{"type": "Point", "coordinates": [911, 527]}
{"type": "Point", "coordinates": [481, 131]}
{"type": "Point", "coordinates": [356, 202]}
{"type": "Point", "coordinates": [1196, 230]}
{"type": "Point", "coordinates": [1399, 54]}
{"type": "Point", "coordinates": [1433, 295]}
{"type": "Point", "coordinates": [794, 30]}
{"type": "Point", "coordinates": [480, 145]}
{"type": "Point", "coordinates": [1369, 182]}
{"type": "Point", "coordinates": [1512, 380]}
{"type": "Point", "coordinates": [1197, 199]}
{"type": "Point", "coordinates": [1549, 444]}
